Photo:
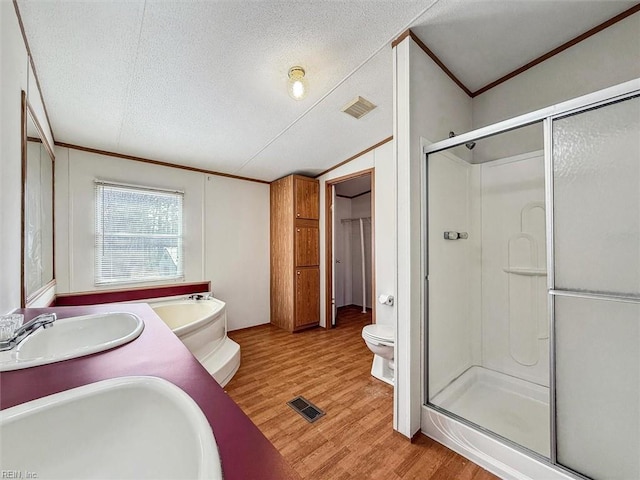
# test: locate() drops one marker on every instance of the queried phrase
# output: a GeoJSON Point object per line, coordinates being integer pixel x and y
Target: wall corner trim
{"type": "Point", "coordinates": [561, 48]}
{"type": "Point", "coordinates": [156, 162]}
{"type": "Point", "coordinates": [401, 37]}
{"type": "Point", "coordinates": [435, 58]}
{"type": "Point", "coordinates": [523, 68]}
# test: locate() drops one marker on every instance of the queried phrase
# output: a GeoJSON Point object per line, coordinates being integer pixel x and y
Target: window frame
{"type": "Point", "coordinates": [99, 235]}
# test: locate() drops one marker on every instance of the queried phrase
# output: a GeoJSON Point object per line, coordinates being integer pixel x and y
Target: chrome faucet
{"type": "Point", "coordinates": [44, 320]}
{"type": "Point", "coordinates": [206, 296]}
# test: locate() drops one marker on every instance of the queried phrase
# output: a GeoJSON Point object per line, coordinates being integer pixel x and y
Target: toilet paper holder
{"type": "Point", "coordinates": [385, 299]}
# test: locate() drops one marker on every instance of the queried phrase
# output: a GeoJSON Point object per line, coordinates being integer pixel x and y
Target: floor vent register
{"type": "Point", "coordinates": [304, 407]}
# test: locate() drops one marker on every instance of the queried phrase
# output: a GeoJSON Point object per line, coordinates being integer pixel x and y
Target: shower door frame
{"type": "Point", "coordinates": [547, 115]}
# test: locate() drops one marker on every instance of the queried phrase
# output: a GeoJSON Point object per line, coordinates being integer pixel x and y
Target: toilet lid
{"type": "Point", "coordinates": [379, 332]}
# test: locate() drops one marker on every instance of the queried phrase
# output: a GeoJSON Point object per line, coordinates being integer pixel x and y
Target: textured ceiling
{"type": "Point", "coordinates": [204, 83]}
{"type": "Point", "coordinates": [483, 40]}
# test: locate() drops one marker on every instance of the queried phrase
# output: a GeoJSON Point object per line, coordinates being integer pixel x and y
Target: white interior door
{"type": "Point", "coordinates": [335, 223]}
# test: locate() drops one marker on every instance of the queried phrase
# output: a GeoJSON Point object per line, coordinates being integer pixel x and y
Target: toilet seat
{"type": "Point", "coordinates": [379, 333]}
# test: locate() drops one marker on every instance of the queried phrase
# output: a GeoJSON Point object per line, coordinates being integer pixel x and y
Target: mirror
{"type": "Point", "coordinates": [37, 208]}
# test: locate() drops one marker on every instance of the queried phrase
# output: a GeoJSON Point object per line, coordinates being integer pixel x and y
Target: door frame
{"type": "Point", "coordinates": [329, 261]}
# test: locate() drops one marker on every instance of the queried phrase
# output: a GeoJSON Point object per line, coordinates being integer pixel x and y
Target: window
{"type": "Point", "coordinates": [138, 234]}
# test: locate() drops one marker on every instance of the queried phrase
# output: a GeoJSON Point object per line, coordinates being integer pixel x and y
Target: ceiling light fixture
{"type": "Point", "coordinates": [297, 83]}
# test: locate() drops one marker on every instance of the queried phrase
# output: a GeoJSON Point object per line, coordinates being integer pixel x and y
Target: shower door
{"type": "Point", "coordinates": [488, 330]}
{"type": "Point", "coordinates": [533, 287]}
{"type": "Point", "coordinates": [596, 291]}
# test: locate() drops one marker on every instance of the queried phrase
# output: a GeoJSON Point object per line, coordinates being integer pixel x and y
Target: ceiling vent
{"type": "Point", "coordinates": [358, 107]}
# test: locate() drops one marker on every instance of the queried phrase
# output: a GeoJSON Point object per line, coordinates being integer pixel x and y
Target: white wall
{"type": "Point", "coordinates": [15, 76]}
{"type": "Point", "coordinates": [361, 206]}
{"type": "Point", "coordinates": [13, 79]}
{"type": "Point", "coordinates": [385, 227]}
{"type": "Point", "coordinates": [226, 233]}
{"type": "Point", "coordinates": [237, 217]}
{"type": "Point", "coordinates": [385, 231]}
{"type": "Point", "coordinates": [427, 106]}
{"type": "Point", "coordinates": [608, 58]}
{"type": "Point", "coordinates": [77, 169]}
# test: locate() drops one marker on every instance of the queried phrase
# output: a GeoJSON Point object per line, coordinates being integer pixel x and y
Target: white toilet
{"type": "Point", "coordinates": [380, 339]}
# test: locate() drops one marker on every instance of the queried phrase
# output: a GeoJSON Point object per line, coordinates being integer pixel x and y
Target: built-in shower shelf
{"type": "Point", "coordinates": [529, 272]}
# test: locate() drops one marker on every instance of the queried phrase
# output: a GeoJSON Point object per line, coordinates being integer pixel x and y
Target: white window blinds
{"type": "Point", "coordinates": [138, 234]}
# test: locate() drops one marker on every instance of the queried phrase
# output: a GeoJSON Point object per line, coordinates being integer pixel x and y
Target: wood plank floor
{"type": "Point", "coordinates": [331, 368]}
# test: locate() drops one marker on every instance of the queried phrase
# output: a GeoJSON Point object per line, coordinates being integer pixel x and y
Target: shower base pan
{"type": "Point", "coordinates": [513, 408]}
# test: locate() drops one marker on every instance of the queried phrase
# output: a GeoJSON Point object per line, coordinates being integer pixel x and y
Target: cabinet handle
{"type": "Point", "coordinates": [298, 230]}
{"type": "Point", "coordinates": [297, 214]}
{"type": "Point", "coordinates": [298, 272]}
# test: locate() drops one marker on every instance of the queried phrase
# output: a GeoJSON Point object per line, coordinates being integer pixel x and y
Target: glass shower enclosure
{"type": "Point", "coordinates": [533, 286]}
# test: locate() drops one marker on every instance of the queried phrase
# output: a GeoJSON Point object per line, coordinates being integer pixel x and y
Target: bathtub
{"type": "Point", "coordinates": [202, 327]}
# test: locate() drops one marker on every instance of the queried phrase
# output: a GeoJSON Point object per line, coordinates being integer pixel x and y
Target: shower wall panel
{"type": "Point", "coordinates": [453, 267]}
{"type": "Point", "coordinates": [515, 329]}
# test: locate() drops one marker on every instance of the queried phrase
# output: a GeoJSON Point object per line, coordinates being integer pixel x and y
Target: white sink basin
{"type": "Point", "coordinates": [123, 428]}
{"type": "Point", "coordinates": [72, 337]}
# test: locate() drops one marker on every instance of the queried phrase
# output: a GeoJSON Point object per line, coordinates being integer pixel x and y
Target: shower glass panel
{"type": "Point", "coordinates": [596, 218]}
{"type": "Point", "coordinates": [598, 387]}
{"type": "Point", "coordinates": [488, 331]}
{"type": "Point", "coordinates": [596, 168]}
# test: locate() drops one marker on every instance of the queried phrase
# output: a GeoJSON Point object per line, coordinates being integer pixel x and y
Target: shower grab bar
{"type": "Point", "coordinates": [456, 235]}
{"type": "Point", "coordinates": [595, 296]}
{"type": "Point", "coordinates": [529, 272]}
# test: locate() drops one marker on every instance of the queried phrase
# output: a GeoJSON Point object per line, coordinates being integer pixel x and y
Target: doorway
{"type": "Point", "coordinates": [349, 243]}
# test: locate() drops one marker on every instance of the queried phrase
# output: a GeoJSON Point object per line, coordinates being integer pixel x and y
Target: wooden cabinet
{"type": "Point", "coordinates": [307, 195]}
{"type": "Point", "coordinates": [307, 297]}
{"type": "Point", "coordinates": [295, 253]}
{"type": "Point", "coordinates": [306, 245]}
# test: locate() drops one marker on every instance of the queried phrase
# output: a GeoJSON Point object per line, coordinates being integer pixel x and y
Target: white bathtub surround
{"type": "Point", "coordinates": [202, 327]}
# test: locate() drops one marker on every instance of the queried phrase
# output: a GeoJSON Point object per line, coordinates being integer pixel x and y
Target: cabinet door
{"type": "Point", "coordinates": [307, 297]}
{"type": "Point", "coordinates": [307, 248]}
{"type": "Point", "coordinates": [307, 194]}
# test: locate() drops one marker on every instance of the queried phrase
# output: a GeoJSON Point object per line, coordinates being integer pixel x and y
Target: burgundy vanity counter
{"type": "Point", "coordinates": [245, 452]}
